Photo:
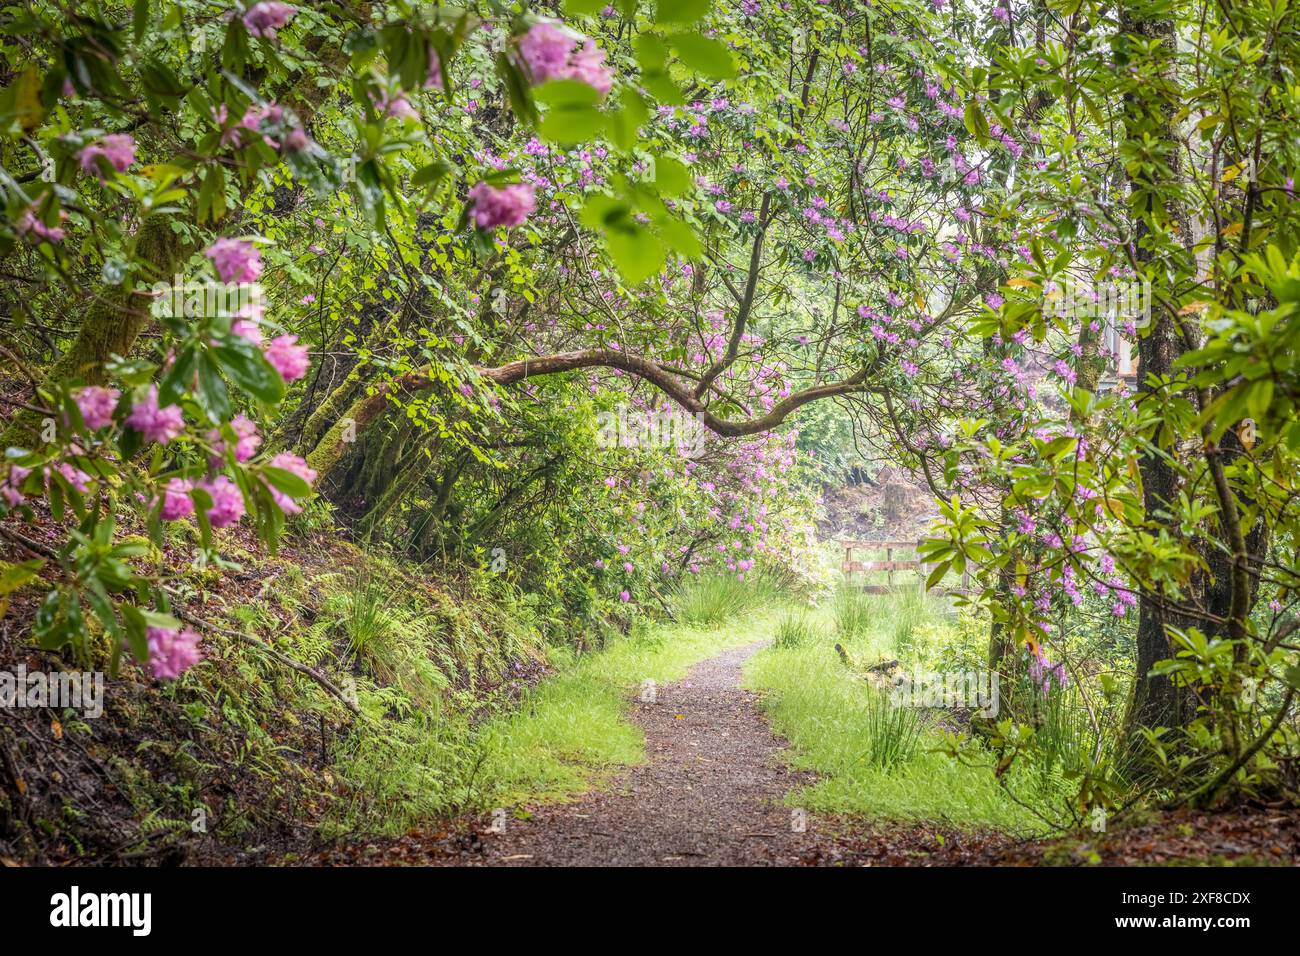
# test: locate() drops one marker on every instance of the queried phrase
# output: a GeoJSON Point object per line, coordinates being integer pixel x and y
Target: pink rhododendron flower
{"type": "Point", "coordinates": [508, 206]}
{"type": "Point", "coordinates": [289, 359]}
{"type": "Point", "coordinates": [227, 502]}
{"type": "Point", "coordinates": [177, 502]}
{"type": "Point", "coordinates": [96, 405]}
{"type": "Point", "coordinates": [297, 140]}
{"type": "Point", "coordinates": [588, 66]}
{"type": "Point", "coordinates": [550, 53]}
{"type": "Point", "coordinates": [30, 223]}
{"type": "Point", "coordinates": [156, 424]}
{"type": "Point", "coordinates": [434, 78]}
{"type": "Point", "coordinates": [236, 260]}
{"type": "Point", "coordinates": [399, 107]}
{"type": "Point", "coordinates": [263, 19]}
{"type": "Point", "coordinates": [247, 438]}
{"type": "Point", "coordinates": [545, 49]}
{"type": "Point", "coordinates": [11, 491]}
{"type": "Point", "coordinates": [172, 653]}
{"type": "Point", "coordinates": [252, 121]}
{"type": "Point", "coordinates": [117, 148]}
{"type": "Point", "coordinates": [248, 329]}
{"type": "Point", "coordinates": [75, 476]}
{"type": "Point", "coordinates": [290, 463]}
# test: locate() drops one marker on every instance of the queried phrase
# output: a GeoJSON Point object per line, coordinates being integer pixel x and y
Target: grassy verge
{"type": "Point", "coordinates": [873, 759]}
{"type": "Point", "coordinates": [572, 729]}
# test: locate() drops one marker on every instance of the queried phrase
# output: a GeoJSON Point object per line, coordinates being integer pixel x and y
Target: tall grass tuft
{"type": "Point", "coordinates": [872, 758]}
{"type": "Point", "coordinates": [793, 630]}
{"type": "Point", "coordinates": [909, 609]}
{"type": "Point", "coordinates": [854, 612]}
{"type": "Point", "coordinates": [712, 600]}
{"type": "Point", "coordinates": [892, 732]}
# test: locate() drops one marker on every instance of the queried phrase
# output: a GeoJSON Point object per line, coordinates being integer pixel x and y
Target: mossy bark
{"type": "Point", "coordinates": [409, 474]}
{"type": "Point", "coordinates": [330, 410]}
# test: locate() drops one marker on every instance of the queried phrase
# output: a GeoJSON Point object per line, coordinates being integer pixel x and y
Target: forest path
{"type": "Point", "coordinates": [710, 792]}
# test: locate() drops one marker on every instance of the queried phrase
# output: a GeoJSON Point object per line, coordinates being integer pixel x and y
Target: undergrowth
{"type": "Point", "coordinates": [873, 757]}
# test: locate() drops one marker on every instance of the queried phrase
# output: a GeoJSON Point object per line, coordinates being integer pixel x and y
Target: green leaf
{"type": "Point", "coordinates": [671, 177]}
{"type": "Point", "coordinates": [680, 237]}
{"type": "Point", "coordinates": [156, 619]}
{"type": "Point", "coordinates": [248, 368]}
{"type": "Point", "coordinates": [432, 174]}
{"type": "Point", "coordinates": [638, 254]}
{"type": "Point", "coordinates": [937, 574]}
{"type": "Point", "coordinates": [292, 485]}
{"type": "Point", "coordinates": [212, 392]}
{"type": "Point", "coordinates": [705, 56]}
{"type": "Point", "coordinates": [651, 53]}
{"type": "Point", "coordinates": [136, 637]}
{"type": "Point", "coordinates": [662, 88]}
{"type": "Point", "coordinates": [601, 211]}
{"type": "Point", "coordinates": [568, 93]}
{"type": "Point", "coordinates": [581, 8]}
{"type": "Point", "coordinates": [140, 16]}
{"type": "Point", "coordinates": [571, 125]}
{"type": "Point", "coordinates": [681, 11]}
{"type": "Point", "coordinates": [15, 575]}
{"type": "Point", "coordinates": [625, 124]}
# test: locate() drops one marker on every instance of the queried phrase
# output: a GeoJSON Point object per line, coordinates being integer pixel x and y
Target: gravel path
{"type": "Point", "coordinates": [710, 793]}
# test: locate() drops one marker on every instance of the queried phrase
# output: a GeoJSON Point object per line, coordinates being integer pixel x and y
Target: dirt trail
{"type": "Point", "coordinates": [710, 793]}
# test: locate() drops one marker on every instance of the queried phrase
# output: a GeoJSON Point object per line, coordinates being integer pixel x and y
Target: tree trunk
{"type": "Point", "coordinates": [1156, 700]}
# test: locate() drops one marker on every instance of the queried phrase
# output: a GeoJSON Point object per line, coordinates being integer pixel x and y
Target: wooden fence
{"type": "Point", "coordinates": [891, 564]}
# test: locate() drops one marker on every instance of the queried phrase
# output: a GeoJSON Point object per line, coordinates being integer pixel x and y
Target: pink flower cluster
{"type": "Point", "coordinates": [96, 405]}
{"type": "Point", "coordinates": [227, 502]}
{"type": "Point", "coordinates": [172, 652]}
{"type": "Point", "coordinates": [549, 54]}
{"type": "Point", "coordinates": [236, 260]}
{"type": "Point", "coordinates": [434, 78]}
{"type": "Point", "coordinates": [31, 224]}
{"type": "Point", "coordinates": [289, 358]}
{"type": "Point", "coordinates": [247, 439]}
{"type": "Point", "coordinates": [117, 149]}
{"type": "Point", "coordinates": [264, 19]}
{"type": "Point", "coordinates": [11, 490]}
{"type": "Point", "coordinates": [177, 502]}
{"type": "Point", "coordinates": [1043, 672]}
{"type": "Point", "coordinates": [154, 423]}
{"type": "Point", "coordinates": [507, 206]}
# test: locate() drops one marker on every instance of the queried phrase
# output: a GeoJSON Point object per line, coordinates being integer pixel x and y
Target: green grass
{"type": "Point", "coordinates": [873, 759]}
{"type": "Point", "coordinates": [572, 728]}
{"type": "Point", "coordinates": [794, 629]}
{"type": "Point", "coordinates": [854, 612]}
{"type": "Point", "coordinates": [714, 599]}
